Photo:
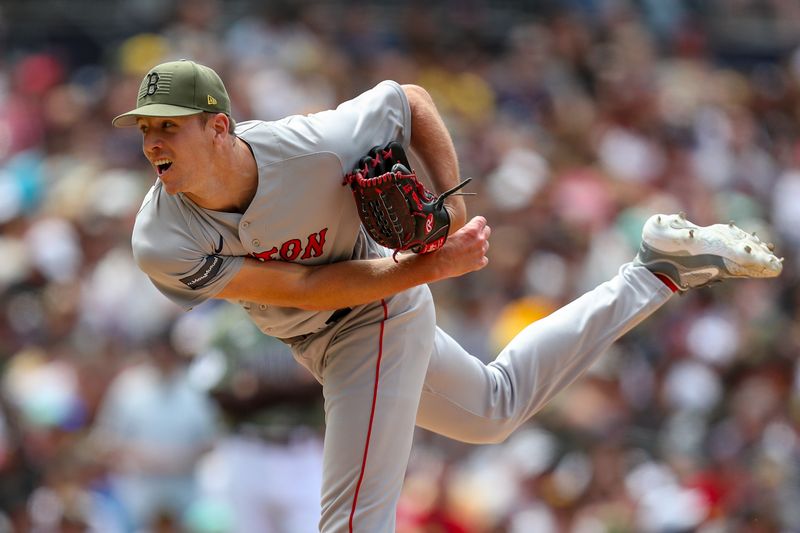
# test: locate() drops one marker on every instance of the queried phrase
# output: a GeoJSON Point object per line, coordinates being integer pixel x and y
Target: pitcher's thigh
{"type": "Point", "coordinates": [372, 383]}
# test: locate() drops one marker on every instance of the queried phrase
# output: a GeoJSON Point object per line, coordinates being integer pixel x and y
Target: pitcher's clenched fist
{"type": "Point", "coordinates": [465, 250]}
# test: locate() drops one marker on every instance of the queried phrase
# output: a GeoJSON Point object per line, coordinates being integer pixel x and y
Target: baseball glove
{"type": "Point", "coordinates": [395, 208]}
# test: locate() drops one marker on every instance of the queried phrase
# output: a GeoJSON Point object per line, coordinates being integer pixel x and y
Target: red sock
{"type": "Point", "coordinates": [668, 282]}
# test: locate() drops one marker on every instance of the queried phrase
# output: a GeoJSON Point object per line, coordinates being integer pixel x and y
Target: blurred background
{"type": "Point", "coordinates": [577, 119]}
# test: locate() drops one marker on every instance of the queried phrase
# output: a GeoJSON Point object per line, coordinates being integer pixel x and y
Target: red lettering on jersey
{"type": "Point", "coordinates": [266, 255]}
{"type": "Point", "coordinates": [316, 241]}
{"type": "Point", "coordinates": [291, 249]}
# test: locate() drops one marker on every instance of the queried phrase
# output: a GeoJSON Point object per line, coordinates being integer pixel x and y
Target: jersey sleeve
{"type": "Point", "coordinates": [185, 261]}
{"type": "Point", "coordinates": [373, 118]}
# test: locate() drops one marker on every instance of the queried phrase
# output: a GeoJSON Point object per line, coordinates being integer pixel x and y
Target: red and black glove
{"type": "Point", "coordinates": [395, 208]}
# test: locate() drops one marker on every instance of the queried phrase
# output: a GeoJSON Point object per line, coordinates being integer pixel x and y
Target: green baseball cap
{"type": "Point", "coordinates": [177, 89]}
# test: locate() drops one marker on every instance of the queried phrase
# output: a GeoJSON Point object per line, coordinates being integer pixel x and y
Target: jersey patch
{"type": "Point", "coordinates": [207, 272]}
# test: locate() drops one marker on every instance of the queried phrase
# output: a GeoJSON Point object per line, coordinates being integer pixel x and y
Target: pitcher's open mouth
{"type": "Point", "coordinates": [162, 165]}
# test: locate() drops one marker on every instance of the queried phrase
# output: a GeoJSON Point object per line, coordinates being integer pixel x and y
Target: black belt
{"type": "Point", "coordinates": [337, 315]}
{"type": "Point", "coordinates": [334, 318]}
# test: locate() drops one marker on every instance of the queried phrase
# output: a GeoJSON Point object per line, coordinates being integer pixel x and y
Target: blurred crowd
{"type": "Point", "coordinates": [578, 119]}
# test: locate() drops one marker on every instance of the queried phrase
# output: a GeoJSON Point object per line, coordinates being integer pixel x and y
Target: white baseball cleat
{"type": "Point", "coordinates": [693, 256]}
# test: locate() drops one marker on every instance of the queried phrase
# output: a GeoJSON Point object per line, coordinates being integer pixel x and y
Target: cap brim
{"type": "Point", "coordinates": [152, 110]}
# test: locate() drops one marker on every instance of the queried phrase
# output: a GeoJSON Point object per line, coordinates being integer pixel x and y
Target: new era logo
{"type": "Point", "coordinates": [212, 100]}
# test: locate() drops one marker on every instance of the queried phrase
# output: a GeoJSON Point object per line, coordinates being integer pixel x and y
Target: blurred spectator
{"type": "Point", "coordinates": [266, 472]}
{"type": "Point", "coordinates": [152, 427]}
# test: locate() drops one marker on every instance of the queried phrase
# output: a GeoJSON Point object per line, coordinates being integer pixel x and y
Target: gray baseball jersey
{"type": "Point", "coordinates": [301, 212]}
{"type": "Point", "coordinates": [384, 366]}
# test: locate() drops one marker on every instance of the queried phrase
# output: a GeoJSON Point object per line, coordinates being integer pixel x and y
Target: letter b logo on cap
{"type": "Point", "coordinates": [152, 83]}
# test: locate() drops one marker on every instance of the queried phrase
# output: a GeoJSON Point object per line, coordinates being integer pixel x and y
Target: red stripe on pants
{"type": "Point", "coordinates": [371, 414]}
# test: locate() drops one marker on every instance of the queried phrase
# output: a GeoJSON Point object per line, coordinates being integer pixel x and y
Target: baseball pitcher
{"type": "Point", "coordinates": [317, 226]}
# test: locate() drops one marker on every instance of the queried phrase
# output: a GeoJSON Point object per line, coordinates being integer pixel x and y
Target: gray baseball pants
{"type": "Point", "coordinates": [386, 367]}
